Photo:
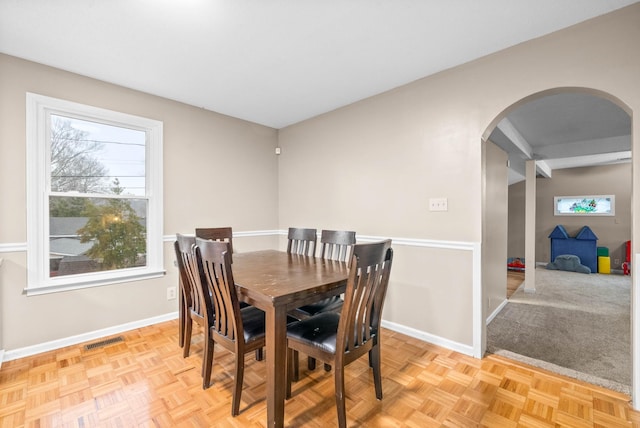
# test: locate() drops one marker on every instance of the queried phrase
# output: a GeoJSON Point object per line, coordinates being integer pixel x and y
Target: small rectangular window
{"type": "Point", "coordinates": [95, 185]}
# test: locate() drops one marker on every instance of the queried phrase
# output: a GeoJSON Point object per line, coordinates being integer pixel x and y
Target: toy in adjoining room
{"type": "Point", "coordinates": [569, 263]}
{"type": "Point", "coordinates": [626, 268]}
{"type": "Point", "coordinates": [582, 245]}
{"type": "Point", "coordinates": [515, 263]}
{"type": "Point", "coordinates": [604, 261]}
{"type": "Point", "coordinates": [626, 265]}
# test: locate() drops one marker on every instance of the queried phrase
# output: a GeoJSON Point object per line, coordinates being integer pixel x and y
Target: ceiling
{"type": "Point", "coordinates": [564, 130]}
{"type": "Point", "coordinates": [278, 62]}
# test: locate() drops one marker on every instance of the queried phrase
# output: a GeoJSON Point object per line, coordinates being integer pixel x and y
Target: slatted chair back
{"type": "Point", "coordinates": [222, 234]}
{"type": "Point", "coordinates": [192, 309]}
{"type": "Point", "coordinates": [214, 262]}
{"type": "Point", "coordinates": [364, 298]}
{"type": "Point", "coordinates": [302, 241]}
{"type": "Point", "coordinates": [337, 244]}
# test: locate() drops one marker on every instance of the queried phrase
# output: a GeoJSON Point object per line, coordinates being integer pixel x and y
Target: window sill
{"type": "Point", "coordinates": [57, 288]}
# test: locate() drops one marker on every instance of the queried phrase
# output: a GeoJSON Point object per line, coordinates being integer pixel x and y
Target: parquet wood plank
{"type": "Point", "coordinates": [144, 382]}
{"type": "Point", "coordinates": [514, 280]}
{"type": "Point", "coordinates": [531, 421]}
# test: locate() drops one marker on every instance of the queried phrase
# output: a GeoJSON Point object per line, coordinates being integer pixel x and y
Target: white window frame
{"type": "Point", "coordinates": [39, 109]}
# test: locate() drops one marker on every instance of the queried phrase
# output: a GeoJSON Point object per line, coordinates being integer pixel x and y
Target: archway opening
{"type": "Point", "coordinates": [581, 138]}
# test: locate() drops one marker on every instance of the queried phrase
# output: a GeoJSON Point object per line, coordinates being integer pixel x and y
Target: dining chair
{"type": "Point", "coordinates": [302, 241]}
{"type": "Point", "coordinates": [189, 309]}
{"type": "Point", "coordinates": [335, 245]}
{"type": "Point", "coordinates": [223, 234]}
{"type": "Point", "coordinates": [340, 339]}
{"type": "Point", "coordinates": [240, 331]}
{"type": "Point", "coordinates": [182, 299]}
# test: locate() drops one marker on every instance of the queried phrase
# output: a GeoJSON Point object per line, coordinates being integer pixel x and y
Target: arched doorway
{"type": "Point", "coordinates": [516, 125]}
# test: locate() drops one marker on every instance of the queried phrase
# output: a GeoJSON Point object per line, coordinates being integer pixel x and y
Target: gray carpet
{"type": "Point", "coordinates": [576, 324]}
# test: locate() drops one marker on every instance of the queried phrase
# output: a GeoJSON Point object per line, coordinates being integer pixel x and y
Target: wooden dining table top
{"type": "Point", "coordinates": [280, 278]}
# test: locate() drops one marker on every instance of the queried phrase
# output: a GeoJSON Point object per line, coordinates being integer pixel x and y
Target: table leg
{"type": "Point", "coordinates": [276, 348]}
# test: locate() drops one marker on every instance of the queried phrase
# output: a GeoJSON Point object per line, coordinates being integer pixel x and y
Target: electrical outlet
{"type": "Point", "coordinates": [438, 204]}
{"type": "Point", "coordinates": [616, 261]}
{"type": "Point", "coordinates": [171, 293]}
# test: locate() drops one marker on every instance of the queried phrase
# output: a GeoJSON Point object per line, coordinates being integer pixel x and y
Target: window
{"type": "Point", "coordinates": [94, 186]}
{"type": "Point", "coordinates": [590, 205]}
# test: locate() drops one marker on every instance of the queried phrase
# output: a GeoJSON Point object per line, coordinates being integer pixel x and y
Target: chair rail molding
{"type": "Point", "coordinates": [15, 247]}
{"type": "Point", "coordinates": [1, 339]}
{"type": "Point", "coordinates": [474, 350]}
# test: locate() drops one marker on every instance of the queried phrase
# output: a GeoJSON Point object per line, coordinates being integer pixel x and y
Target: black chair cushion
{"type": "Point", "coordinates": [319, 331]}
{"type": "Point", "coordinates": [253, 323]}
{"type": "Point", "coordinates": [330, 304]}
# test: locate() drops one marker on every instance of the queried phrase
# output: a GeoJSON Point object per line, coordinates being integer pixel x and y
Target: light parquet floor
{"type": "Point", "coordinates": [514, 280]}
{"type": "Point", "coordinates": [144, 382]}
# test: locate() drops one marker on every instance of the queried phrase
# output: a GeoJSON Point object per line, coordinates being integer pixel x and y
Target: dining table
{"type": "Point", "coordinates": [278, 282]}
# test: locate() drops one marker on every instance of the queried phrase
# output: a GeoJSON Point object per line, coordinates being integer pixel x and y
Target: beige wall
{"type": "Point", "coordinates": [612, 232]}
{"type": "Point", "coordinates": [516, 223]}
{"type": "Point", "coordinates": [217, 171]}
{"type": "Point", "coordinates": [371, 167]}
{"type": "Point", "coordinates": [494, 228]}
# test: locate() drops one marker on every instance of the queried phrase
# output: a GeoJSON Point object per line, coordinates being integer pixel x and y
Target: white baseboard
{"type": "Point", "coordinates": [430, 338]}
{"type": "Point", "coordinates": [85, 337]}
{"type": "Point", "coordinates": [497, 311]}
{"type": "Point", "coordinates": [14, 354]}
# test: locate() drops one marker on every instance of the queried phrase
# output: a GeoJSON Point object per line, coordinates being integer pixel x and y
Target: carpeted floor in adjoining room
{"type": "Point", "coordinates": [576, 324]}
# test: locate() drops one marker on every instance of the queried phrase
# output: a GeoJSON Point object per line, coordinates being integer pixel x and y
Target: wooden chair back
{"type": "Point", "coordinates": [214, 263]}
{"type": "Point", "coordinates": [364, 298]}
{"type": "Point", "coordinates": [302, 241]}
{"type": "Point", "coordinates": [222, 234]}
{"type": "Point", "coordinates": [189, 276]}
{"type": "Point", "coordinates": [190, 305]}
{"type": "Point", "coordinates": [337, 244]}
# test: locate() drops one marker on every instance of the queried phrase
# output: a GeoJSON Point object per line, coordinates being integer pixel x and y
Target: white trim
{"type": "Point", "coordinates": [258, 233]}
{"type": "Point", "coordinates": [430, 243]}
{"type": "Point", "coordinates": [16, 247]}
{"type": "Point", "coordinates": [39, 108]}
{"type": "Point", "coordinates": [477, 317]}
{"type": "Point", "coordinates": [430, 338]}
{"type": "Point", "coordinates": [476, 299]}
{"type": "Point", "coordinates": [1, 357]}
{"type": "Point", "coordinates": [85, 337]}
{"type": "Point", "coordinates": [635, 334]}
{"type": "Point", "coordinates": [249, 233]}
{"type": "Point", "coordinates": [90, 284]}
{"type": "Point", "coordinates": [497, 311]}
{"type": "Point", "coordinates": [109, 331]}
